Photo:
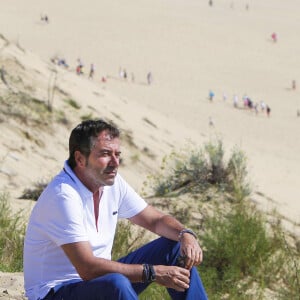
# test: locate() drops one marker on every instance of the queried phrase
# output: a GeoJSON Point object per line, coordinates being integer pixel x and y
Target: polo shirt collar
{"type": "Point", "coordinates": [84, 191]}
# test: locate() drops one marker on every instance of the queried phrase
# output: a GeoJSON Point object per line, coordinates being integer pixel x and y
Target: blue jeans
{"type": "Point", "coordinates": [116, 286]}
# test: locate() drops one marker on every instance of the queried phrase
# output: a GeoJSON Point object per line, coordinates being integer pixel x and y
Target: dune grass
{"type": "Point", "coordinates": [11, 237]}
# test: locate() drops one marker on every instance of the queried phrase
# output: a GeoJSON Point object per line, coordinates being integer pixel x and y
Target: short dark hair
{"type": "Point", "coordinates": [83, 135]}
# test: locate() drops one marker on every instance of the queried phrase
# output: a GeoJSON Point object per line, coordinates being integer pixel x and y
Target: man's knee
{"type": "Point", "coordinates": [117, 280]}
{"type": "Point", "coordinates": [121, 285]}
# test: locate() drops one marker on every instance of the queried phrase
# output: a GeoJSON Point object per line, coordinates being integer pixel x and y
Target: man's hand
{"type": "Point", "coordinates": [191, 250]}
{"type": "Point", "coordinates": [172, 277]}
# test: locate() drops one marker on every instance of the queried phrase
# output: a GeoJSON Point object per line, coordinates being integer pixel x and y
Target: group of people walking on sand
{"type": "Point", "coordinates": [247, 103]}
{"type": "Point", "coordinates": [123, 75]}
{"type": "Point", "coordinates": [80, 70]}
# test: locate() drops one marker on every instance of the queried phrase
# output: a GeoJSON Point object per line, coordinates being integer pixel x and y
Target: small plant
{"type": "Point", "coordinates": [237, 175]}
{"type": "Point", "coordinates": [11, 237]}
{"type": "Point", "coordinates": [86, 117]}
{"type": "Point", "coordinates": [62, 119]}
{"type": "Point", "coordinates": [33, 194]}
{"type": "Point", "coordinates": [135, 158]}
{"type": "Point", "coordinates": [73, 103]}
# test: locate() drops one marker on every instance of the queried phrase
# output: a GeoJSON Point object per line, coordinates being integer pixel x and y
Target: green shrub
{"type": "Point", "coordinates": [239, 250]}
{"type": "Point", "coordinates": [35, 192]}
{"type": "Point", "coordinates": [196, 170]}
{"type": "Point", "coordinates": [11, 238]}
{"type": "Point", "coordinates": [237, 175]}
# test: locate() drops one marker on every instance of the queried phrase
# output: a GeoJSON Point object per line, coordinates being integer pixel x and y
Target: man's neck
{"type": "Point", "coordinates": [97, 197]}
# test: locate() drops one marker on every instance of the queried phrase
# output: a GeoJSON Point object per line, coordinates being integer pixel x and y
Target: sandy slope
{"type": "Point", "coordinates": [190, 48]}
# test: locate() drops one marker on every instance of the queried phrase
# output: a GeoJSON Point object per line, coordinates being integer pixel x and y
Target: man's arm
{"type": "Point", "coordinates": [163, 225]}
{"type": "Point", "coordinates": [167, 226]}
{"type": "Point", "coordinates": [88, 267]}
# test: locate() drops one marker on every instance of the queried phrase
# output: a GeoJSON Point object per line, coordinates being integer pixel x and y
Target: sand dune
{"type": "Point", "coordinates": [190, 48]}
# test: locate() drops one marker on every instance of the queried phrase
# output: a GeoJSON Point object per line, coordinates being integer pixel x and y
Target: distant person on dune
{"type": "Point", "coordinates": [268, 110]}
{"type": "Point", "coordinates": [235, 101]}
{"type": "Point", "coordinates": [211, 95]}
{"type": "Point", "coordinates": [71, 230]}
{"type": "Point", "coordinates": [79, 68]}
{"type": "Point", "coordinates": [262, 106]}
{"type": "Point", "coordinates": [92, 71]}
{"type": "Point", "coordinates": [45, 18]}
{"type": "Point", "coordinates": [149, 78]}
{"type": "Point", "coordinates": [274, 37]}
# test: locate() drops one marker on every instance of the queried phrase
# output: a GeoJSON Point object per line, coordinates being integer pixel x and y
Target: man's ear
{"type": "Point", "coordinates": [80, 159]}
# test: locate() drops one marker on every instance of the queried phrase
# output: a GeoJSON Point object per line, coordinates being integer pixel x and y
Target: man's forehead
{"type": "Point", "coordinates": [105, 136]}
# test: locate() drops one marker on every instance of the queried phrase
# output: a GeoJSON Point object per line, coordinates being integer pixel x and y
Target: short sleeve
{"type": "Point", "coordinates": [131, 203]}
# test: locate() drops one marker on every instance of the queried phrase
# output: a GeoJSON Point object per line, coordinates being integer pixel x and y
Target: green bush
{"type": "Point", "coordinates": [244, 254]}
{"type": "Point", "coordinates": [34, 193]}
{"type": "Point", "coordinates": [237, 246]}
{"type": "Point", "coordinates": [237, 175]}
{"type": "Point", "coordinates": [11, 237]}
{"type": "Point", "coordinates": [196, 170]}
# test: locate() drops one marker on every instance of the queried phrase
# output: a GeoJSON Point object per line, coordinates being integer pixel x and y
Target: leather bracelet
{"type": "Point", "coordinates": [152, 276]}
{"type": "Point", "coordinates": [145, 273]}
{"type": "Point", "coordinates": [186, 230]}
{"type": "Point", "coordinates": [149, 274]}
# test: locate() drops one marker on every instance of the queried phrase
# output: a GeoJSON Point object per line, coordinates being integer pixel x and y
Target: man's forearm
{"type": "Point", "coordinates": [102, 267]}
{"type": "Point", "coordinates": [167, 226]}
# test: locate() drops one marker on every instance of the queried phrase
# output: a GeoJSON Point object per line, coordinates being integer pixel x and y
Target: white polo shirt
{"type": "Point", "coordinates": [64, 214]}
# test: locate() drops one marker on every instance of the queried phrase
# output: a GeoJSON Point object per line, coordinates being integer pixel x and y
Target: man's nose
{"type": "Point", "coordinates": [115, 161]}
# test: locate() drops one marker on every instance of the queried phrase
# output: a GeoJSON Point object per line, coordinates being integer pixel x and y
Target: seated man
{"type": "Point", "coordinates": [68, 243]}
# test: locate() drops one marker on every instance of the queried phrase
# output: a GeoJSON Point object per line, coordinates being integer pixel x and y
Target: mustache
{"type": "Point", "coordinates": [110, 169]}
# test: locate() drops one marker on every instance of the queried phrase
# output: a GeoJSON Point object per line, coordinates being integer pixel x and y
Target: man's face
{"type": "Point", "coordinates": [103, 162]}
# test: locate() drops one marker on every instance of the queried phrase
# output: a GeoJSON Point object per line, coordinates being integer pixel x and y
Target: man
{"type": "Point", "coordinates": [67, 250]}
